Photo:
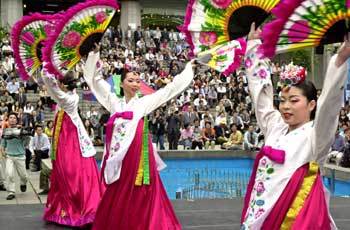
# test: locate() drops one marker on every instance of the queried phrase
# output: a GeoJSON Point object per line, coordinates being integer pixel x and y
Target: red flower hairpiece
{"type": "Point", "coordinates": [293, 75]}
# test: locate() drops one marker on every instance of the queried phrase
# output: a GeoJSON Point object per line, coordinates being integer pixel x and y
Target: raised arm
{"type": "Point", "coordinates": [98, 86]}
{"type": "Point", "coordinates": [64, 100]}
{"type": "Point", "coordinates": [260, 88]}
{"type": "Point", "coordinates": [329, 103]}
{"type": "Point", "coordinates": [179, 84]}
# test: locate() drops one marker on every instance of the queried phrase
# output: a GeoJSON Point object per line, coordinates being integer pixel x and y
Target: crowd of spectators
{"type": "Point", "coordinates": [214, 112]}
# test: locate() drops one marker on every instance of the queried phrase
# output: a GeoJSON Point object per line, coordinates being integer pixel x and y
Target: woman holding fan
{"type": "Point", "coordinates": [285, 190]}
{"type": "Point", "coordinates": [135, 197]}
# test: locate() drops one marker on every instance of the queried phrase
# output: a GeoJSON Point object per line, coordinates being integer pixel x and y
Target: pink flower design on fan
{"type": "Point", "coordinates": [71, 39]}
{"type": "Point", "coordinates": [208, 38]}
{"type": "Point", "coordinates": [100, 17]}
{"type": "Point", "coordinates": [248, 63]}
{"type": "Point", "coordinates": [28, 37]}
{"type": "Point", "coordinates": [221, 4]}
{"type": "Point", "coordinates": [30, 62]}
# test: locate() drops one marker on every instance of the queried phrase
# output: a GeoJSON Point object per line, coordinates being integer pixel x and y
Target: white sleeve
{"type": "Point", "coordinates": [63, 99]}
{"type": "Point", "coordinates": [261, 89]}
{"type": "Point", "coordinates": [328, 107]}
{"type": "Point", "coordinates": [98, 86]}
{"type": "Point", "coordinates": [179, 84]}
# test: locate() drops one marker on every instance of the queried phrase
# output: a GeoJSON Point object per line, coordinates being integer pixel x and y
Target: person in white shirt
{"type": "Point", "coordinates": [40, 144]}
{"type": "Point", "coordinates": [130, 163]}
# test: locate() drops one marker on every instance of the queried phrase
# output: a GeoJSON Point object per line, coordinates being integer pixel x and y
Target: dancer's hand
{"type": "Point", "coordinates": [343, 53]}
{"type": "Point", "coordinates": [254, 33]}
{"type": "Point", "coordinates": [97, 48]}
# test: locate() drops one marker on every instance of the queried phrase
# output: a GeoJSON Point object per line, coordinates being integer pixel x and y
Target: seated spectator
{"type": "Point", "coordinates": [8, 100]}
{"type": "Point", "coordinates": [40, 145]}
{"type": "Point", "coordinates": [197, 136]}
{"type": "Point", "coordinates": [245, 118]}
{"type": "Point", "coordinates": [5, 124]}
{"type": "Point", "coordinates": [337, 148]}
{"type": "Point", "coordinates": [236, 119]}
{"type": "Point", "coordinates": [16, 107]}
{"type": "Point", "coordinates": [220, 108]}
{"type": "Point", "coordinates": [3, 108]}
{"type": "Point", "coordinates": [49, 128]}
{"type": "Point", "coordinates": [13, 87]}
{"type": "Point", "coordinates": [235, 140]}
{"type": "Point", "coordinates": [186, 136]}
{"type": "Point", "coordinates": [209, 136]}
{"type": "Point", "coordinates": [345, 160]}
{"type": "Point", "coordinates": [221, 131]}
{"type": "Point", "coordinates": [250, 141]}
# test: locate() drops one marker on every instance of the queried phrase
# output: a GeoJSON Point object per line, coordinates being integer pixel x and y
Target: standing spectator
{"type": "Point", "coordinates": [250, 139]}
{"type": "Point", "coordinates": [158, 130]}
{"type": "Point", "coordinates": [119, 34]}
{"type": "Point", "coordinates": [147, 34]}
{"type": "Point", "coordinates": [137, 34]}
{"type": "Point", "coordinates": [190, 116]}
{"type": "Point", "coordinates": [27, 113]}
{"type": "Point", "coordinates": [89, 130]}
{"type": "Point", "coordinates": [22, 97]}
{"type": "Point", "coordinates": [173, 129]}
{"type": "Point", "coordinates": [40, 145]}
{"type": "Point", "coordinates": [129, 34]}
{"type": "Point", "coordinates": [13, 146]}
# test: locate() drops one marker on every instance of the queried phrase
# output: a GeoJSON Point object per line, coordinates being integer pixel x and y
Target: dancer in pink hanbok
{"type": "Point", "coordinates": [75, 190]}
{"type": "Point", "coordinates": [285, 190]}
{"type": "Point", "coordinates": [135, 197]}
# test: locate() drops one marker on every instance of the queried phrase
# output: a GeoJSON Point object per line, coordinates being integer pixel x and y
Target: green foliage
{"type": "Point", "coordinates": [299, 57]}
{"type": "Point", "coordinates": [3, 32]}
{"type": "Point", "coordinates": [168, 21]}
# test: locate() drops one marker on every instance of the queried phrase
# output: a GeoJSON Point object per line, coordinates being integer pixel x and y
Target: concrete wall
{"type": "Point", "coordinates": [11, 11]}
{"type": "Point", "coordinates": [130, 14]}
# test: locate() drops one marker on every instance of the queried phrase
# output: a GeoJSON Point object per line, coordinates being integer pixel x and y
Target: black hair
{"type": "Point", "coordinates": [38, 126]}
{"type": "Point", "coordinates": [310, 92]}
{"type": "Point", "coordinates": [13, 114]}
{"type": "Point", "coordinates": [123, 76]}
{"type": "Point", "coordinates": [69, 81]}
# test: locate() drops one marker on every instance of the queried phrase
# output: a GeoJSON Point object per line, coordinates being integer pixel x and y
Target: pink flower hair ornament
{"type": "Point", "coordinates": [293, 75]}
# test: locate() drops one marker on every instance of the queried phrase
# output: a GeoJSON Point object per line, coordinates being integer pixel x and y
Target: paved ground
{"type": "Point", "coordinates": [201, 215]}
{"type": "Point", "coordinates": [24, 212]}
